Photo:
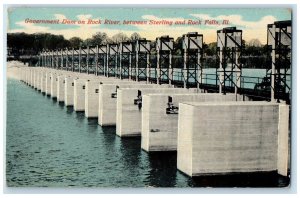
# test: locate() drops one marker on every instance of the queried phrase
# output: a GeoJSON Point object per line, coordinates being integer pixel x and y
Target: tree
{"type": "Point", "coordinates": [135, 36]}
{"type": "Point", "coordinates": [210, 49]}
{"type": "Point", "coordinates": [178, 46]}
{"type": "Point", "coordinates": [108, 40]}
{"type": "Point", "coordinates": [178, 43]}
{"type": "Point", "coordinates": [255, 43]}
{"type": "Point", "coordinates": [119, 37]}
{"type": "Point", "coordinates": [99, 38]}
{"type": "Point", "coordinates": [34, 43]}
{"type": "Point", "coordinates": [75, 42]}
{"type": "Point", "coordinates": [87, 42]}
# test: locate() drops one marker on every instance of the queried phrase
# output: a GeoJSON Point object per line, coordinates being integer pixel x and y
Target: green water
{"type": "Point", "coordinates": [49, 145]}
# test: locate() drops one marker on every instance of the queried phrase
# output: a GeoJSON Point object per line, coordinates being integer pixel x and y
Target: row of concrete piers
{"type": "Point", "coordinates": [212, 133]}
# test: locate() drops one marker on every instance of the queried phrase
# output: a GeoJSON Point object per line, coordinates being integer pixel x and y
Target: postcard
{"type": "Point", "coordinates": [148, 97]}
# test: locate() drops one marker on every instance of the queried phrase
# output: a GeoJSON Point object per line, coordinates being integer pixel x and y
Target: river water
{"type": "Point", "coordinates": [50, 145]}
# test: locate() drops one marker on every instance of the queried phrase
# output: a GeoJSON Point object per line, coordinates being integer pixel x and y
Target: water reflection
{"type": "Point", "coordinates": [92, 124]}
{"type": "Point", "coordinates": [69, 110]}
{"type": "Point", "coordinates": [163, 169]}
{"type": "Point", "coordinates": [50, 147]}
{"type": "Point", "coordinates": [258, 179]}
{"type": "Point", "coordinates": [109, 135]}
{"type": "Point", "coordinates": [80, 116]}
{"type": "Point", "coordinates": [61, 105]}
{"type": "Point", "coordinates": [130, 150]}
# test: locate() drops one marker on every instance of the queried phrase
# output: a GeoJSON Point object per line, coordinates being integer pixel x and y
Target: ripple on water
{"type": "Point", "coordinates": [49, 145]}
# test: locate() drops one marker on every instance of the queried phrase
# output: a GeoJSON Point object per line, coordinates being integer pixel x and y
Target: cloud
{"type": "Point", "coordinates": [175, 31]}
{"type": "Point", "coordinates": [80, 30]}
{"type": "Point", "coordinates": [30, 27]}
{"type": "Point", "coordinates": [60, 16]}
{"type": "Point", "coordinates": [152, 17]}
{"type": "Point", "coordinates": [251, 29]}
{"type": "Point", "coordinates": [238, 20]}
{"type": "Point", "coordinates": [84, 16]}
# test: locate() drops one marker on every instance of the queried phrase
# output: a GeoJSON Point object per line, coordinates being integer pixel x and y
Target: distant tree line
{"type": "Point", "coordinates": [255, 55]}
{"type": "Point", "coordinates": [39, 41]}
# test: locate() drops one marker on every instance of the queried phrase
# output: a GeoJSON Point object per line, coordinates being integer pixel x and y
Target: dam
{"type": "Point", "coordinates": [214, 129]}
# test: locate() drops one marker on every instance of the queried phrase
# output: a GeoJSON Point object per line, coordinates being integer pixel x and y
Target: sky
{"type": "Point", "coordinates": [253, 21]}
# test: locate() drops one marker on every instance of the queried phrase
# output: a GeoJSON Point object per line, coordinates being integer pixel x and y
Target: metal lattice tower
{"type": "Point", "coordinates": [56, 61]}
{"type": "Point", "coordinates": [142, 60]}
{"type": "Point", "coordinates": [50, 56]}
{"type": "Point", "coordinates": [76, 59]}
{"type": "Point", "coordinates": [125, 59]}
{"type": "Point", "coordinates": [83, 59]}
{"type": "Point", "coordinates": [59, 58]}
{"type": "Point", "coordinates": [229, 47]}
{"type": "Point", "coordinates": [112, 60]}
{"type": "Point", "coordinates": [101, 59]}
{"type": "Point", "coordinates": [62, 59]}
{"type": "Point", "coordinates": [53, 58]}
{"type": "Point", "coordinates": [57, 65]}
{"type": "Point", "coordinates": [280, 42]}
{"type": "Point", "coordinates": [45, 58]}
{"type": "Point", "coordinates": [91, 59]}
{"type": "Point", "coordinates": [42, 56]}
{"type": "Point", "coordinates": [192, 44]}
{"type": "Point", "coordinates": [164, 71]}
{"type": "Point", "coordinates": [65, 58]}
{"type": "Point", "coordinates": [69, 59]}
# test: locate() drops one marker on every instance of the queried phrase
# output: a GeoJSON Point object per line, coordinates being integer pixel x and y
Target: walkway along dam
{"type": "Point", "coordinates": [216, 127]}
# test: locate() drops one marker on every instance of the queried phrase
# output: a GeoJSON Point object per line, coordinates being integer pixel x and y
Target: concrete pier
{"type": "Point", "coordinates": [31, 77]}
{"type": "Point", "coordinates": [43, 81]}
{"type": "Point", "coordinates": [54, 79]}
{"type": "Point", "coordinates": [61, 88]}
{"type": "Point", "coordinates": [108, 100]}
{"type": "Point", "coordinates": [232, 137]}
{"type": "Point", "coordinates": [212, 133]}
{"type": "Point", "coordinates": [48, 83]}
{"type": "Point", "coordinates": [129, 115]}
{"type": "Point", "coordinates": [69, 90]}
{"type": "Point", "coordinates": [69, 86]}
{"type": "Point", "coordinates": [160, 124]}
{"type": "Point", "coordinates": [35, 77]}
{"type": "Point", "coordinates": [28, 77]}
{"type": "Point", "coordinates": [91, 98]}
{"type": "Point", "coordinates": [38, 82]}
{"type": "Point", "coordinates": [93, 91]}
{"type": "Point", "coordinates": [79, 94]}
{"type": "Point", "coordinates": [79, 91]}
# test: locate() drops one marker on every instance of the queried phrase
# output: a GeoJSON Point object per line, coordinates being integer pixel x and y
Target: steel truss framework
{"type": "Point", "coordinates": [101, 59]}
{"type": "Point", "coordinates": [69, 59]}
{"type": "Point", "coordinates": [142, 60]}
{"type": "Point", "coordinates": [55, 59]}
{"type": "Point", "coordinates": [280, 45]}
{"type": "Point", "coordinates": [229, 48]}
{"type": "Point", "coordinates": [192, 55]}
{"type": "Point", "coordinates": [76, 59]}
{"type": "Point", "coordinates": [125, 59]}
{"type": "Point", "coordinates": [112, 60]}
{"type": "Point", "coordinates": [91, 60]}
{"type": "Point", "coordinates": [83, 60]}
{"type": "Point", "coordinates": [133, 60]}
{"type": "Point", "coordinates": [164, 70]}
